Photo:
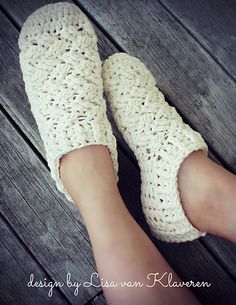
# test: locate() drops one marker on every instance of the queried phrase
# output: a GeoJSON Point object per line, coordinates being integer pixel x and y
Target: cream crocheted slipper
{"type": "Point", "coordinates": [62, 73]}
{"type": "Point", "coordinates": [159, 139]}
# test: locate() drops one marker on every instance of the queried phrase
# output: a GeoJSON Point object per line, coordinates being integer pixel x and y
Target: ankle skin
{"type": "Point", "coordinates": [208, 195]}
{"type": "Point", "coordinates": [89, 170]}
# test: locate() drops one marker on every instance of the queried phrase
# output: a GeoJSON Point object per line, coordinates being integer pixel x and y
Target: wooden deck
{"type": "Point", "coordinates": [188, 45]}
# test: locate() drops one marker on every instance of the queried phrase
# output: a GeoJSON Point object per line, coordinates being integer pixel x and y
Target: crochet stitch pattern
{"type": "Point", "coordinates": [159, 139]}
{"type": "Point", "coordinates": [62, 74]}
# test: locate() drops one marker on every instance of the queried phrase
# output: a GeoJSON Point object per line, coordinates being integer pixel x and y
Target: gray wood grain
{"type": "Point", "coordinates": [213, 24]}
{"type": "Point", "coordinates": [98, 300]}
{"type": "Point", "coordinates": [190, 79]}
{"type": "Point", "coordinates": [16, 265]}
{"type": "Point", "coordinates": [224, 250]}
{"type": "Point", "coordinates": [129, 186]}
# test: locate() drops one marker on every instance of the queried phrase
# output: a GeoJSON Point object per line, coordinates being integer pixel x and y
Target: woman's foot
{"type": "Point", "coordinates": [208, 195]}
{"type": "Point", "coordinates": [159, 139]}
{"type": "Point", "coordinates": [62, 73]}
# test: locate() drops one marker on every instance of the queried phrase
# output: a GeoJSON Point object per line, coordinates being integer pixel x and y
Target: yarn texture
{"type": "Point", "coordinates": [62, 74]}
{"type": "Point", "coordinates": [159, 139]}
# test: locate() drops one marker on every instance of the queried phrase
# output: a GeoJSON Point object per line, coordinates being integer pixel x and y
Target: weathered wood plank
{"type": "Point", "coordinates": [16, 265]}
{"type": "Point", "coordinates": [129, 185]}
{"type": "Point", "coordinates": [191, 80]}
{"type": "Point", "coordinates": [213, 24]}
{"type": "Point", "coordinates": [224, 250]}
{"type": "Point", "coordinates": [3, 302]}
{"type": "Point", "coordinates": [98, 300]}
{"type": "Point", "coordinates": [12, 92]}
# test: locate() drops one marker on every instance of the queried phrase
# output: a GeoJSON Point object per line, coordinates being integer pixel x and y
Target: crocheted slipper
{"type": "Point", "coordinates": [62, 73]}
{"type": "Point", "coordinates": [159, 139]}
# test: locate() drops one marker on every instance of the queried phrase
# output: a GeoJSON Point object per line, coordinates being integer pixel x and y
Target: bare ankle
{"type": "Point", "coordinates": [227, 208]}
{"type": "Point", "coordinates": [196, 190]}
{"type": "Point", "coordinates": [89, 170]}
{"type": "Point", "coordinates": [208, 195]}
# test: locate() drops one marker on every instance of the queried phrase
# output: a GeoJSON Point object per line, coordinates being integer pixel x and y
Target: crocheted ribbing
{"type": "Point", "coordinates": [160, 140]}
{"type": "Point", "coordinates": [62, 73]}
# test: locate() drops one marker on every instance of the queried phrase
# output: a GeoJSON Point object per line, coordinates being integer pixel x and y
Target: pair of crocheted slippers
{"type": "Point", "coordinates": [64, 82]}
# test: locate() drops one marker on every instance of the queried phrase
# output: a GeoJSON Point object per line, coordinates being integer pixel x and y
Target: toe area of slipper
{"type": "Point", "coordinates": [61, 19]}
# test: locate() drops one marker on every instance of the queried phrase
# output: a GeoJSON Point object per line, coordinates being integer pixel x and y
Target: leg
{"type": "Point", "coordinates": [208, 194]}
{"type": "Point", "coordinates": [122, 250]}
